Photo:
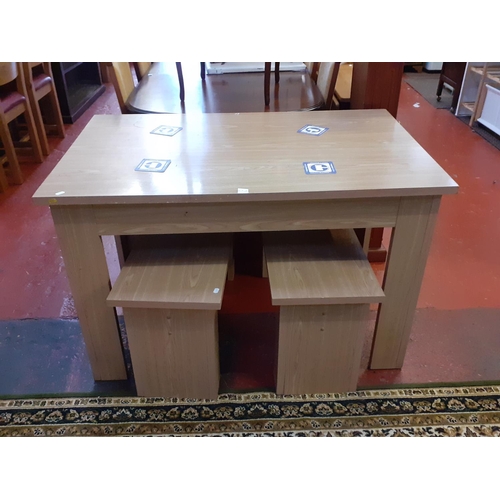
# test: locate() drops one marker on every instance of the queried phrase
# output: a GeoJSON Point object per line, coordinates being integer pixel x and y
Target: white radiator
{"type": "Point", "coordinates": [490, 115]}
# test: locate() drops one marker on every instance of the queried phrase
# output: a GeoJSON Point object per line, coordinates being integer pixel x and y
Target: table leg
{"type": "Point", "coordinates": [85, 262]}
{"type": "Point", "coordinates": [411, 240]}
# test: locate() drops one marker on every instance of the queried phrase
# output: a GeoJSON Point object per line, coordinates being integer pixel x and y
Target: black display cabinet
{"type": "Point", "coordinates": [78, 85]}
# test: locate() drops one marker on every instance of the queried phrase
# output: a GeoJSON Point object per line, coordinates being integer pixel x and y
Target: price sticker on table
{"type": "Point", "coordinates": [166, 130]}
{"type": "Point", "coordinates": [319, 167]}
{"type": "Point", "coordinates": [148, 165]}
{"type": "Point", "coordinates": [312, 130]}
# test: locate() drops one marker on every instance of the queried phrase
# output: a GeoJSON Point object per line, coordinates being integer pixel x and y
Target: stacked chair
{"type": "Point", "coordinates": [29, 112]}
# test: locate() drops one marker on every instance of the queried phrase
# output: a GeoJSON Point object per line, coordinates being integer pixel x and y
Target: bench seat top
{"type": "Point", "coordinates": [184, 272]}
{"type": "Point", "coordinates": [319, 267]}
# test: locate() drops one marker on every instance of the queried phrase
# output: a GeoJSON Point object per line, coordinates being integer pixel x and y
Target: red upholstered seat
{"type": "Point", "coordinates": [10, 100]}
{"type": "Point", "coordinates": [40, 81]}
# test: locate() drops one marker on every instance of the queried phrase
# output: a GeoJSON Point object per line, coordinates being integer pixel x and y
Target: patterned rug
{"type": "Point", "coordinates": [447, 411]}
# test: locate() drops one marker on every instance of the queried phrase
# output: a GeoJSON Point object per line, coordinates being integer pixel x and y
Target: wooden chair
{"type": "Point", "coordinates": [141, 69]}
{"type": "Point", "coordinates": [123, 82]}
{"type": "Point", "coordinates": [452, 73]}
{"type": "Point", "coordinates": [342, 93]}
{"type": "Point", "coordinates": [13, 104]}
{"type": "Point", "coordinates": [327, 79]}
{"type": "Point", "coordinates": [43, 100]}
{"type": "Point", "coordinates": [267, 79]}
{"type": "Point", "coordinates": [313, 68]}
{"type": "Point", "coordinates": [180, 76]}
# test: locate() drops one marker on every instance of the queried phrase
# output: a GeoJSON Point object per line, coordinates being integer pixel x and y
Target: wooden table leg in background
{"type": "Point", "coordinates": [411, 240]}
{"type": "Point", "coordinates": [88, 275]}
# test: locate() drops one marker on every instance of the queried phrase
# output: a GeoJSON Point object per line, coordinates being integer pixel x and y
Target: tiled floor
{"type": "Point", "coordinates": [456, 332]}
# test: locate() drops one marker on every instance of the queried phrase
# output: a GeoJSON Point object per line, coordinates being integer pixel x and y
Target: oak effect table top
{"type": "Point", "coordinates": [242, 157]}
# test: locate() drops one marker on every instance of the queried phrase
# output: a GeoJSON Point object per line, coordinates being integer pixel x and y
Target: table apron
{"type": "Point", "coordinates": [245, 216]}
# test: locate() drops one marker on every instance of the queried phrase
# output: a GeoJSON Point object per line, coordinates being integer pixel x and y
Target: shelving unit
{"type": "Point", "coordinates": [78, 85]}
{"type": "Point", "coordinates": [481, 78]}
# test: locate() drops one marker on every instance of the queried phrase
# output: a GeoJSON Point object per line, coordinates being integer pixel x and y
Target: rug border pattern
{"type": "Point", "coordinates": [446, 411]}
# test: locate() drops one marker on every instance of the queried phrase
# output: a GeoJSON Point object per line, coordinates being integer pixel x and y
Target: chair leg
{"type": "Point", "coordinates": [10, 151]}
{"type": "Point", "coordinates": [202, 71]}
{"type": "Point", "coordinates": [35, 142]}
{"type": "Point", "coordinates": [40, 128]}
{"type": "Point", "coordinates": [276, 72]}
{"type": "Point", "coordinates": [181, 80]}
{"type": "Point", "coordinates": [439, 89]}
{"type": "Point", "coordinates": [58, 119]}
{"type": "Point", "coordinates": [3, 180]}
{"type": "Point", "coordinates": [267, 82]}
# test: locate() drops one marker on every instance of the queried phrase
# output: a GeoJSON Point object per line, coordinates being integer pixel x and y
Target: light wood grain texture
{"type": "Point", "coordinates": [344, 83]}
{"type": "Point", "coordinates": [123, 82]}
{"type": "Point", "coordinates": [88, 276]}
{"type": "Point", "coordinates": [174, 352]}
{"type": "Point", "coordinates": [240, 217]}
{"type": "Point", "coordinates": [411, 240]}
{"type": "Point", "coordinates": [183, 272]}
{"type": "Point", "coordinates": [320, 348]}
{"type": "Point", "coordinates": [378, 166]}
{"type": "Point", "coordinates": [319, 267]}
{"type": "Point", "coordinates": [8, 72]}
{"type": "Point", "coordinates": [216, 156]}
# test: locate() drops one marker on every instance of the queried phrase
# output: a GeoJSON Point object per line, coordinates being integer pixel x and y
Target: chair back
{"type": "Point", "coordinates": [327, 79]}
{"type": "Point", "coordinates": [141, 69]}
{"type": "Point", "coordinates": [28, 72]}
{"type": "Point", "coordinates": [123, 82]}
{"type": "Point", "coordinates": [8, 72]}
{"type": "Point", "coordinates": [312, 68]}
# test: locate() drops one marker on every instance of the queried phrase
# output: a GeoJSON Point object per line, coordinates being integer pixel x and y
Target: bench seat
{"type": "Point", "coordinates": [324, 285]}
{"type": "Point", "coordinates": [171, 289]}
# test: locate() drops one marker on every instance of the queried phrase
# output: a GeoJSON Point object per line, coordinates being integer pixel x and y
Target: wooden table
{"type": "Point", "coordinates": [158, 92]}
{"type": "Point", "coordinates": [243, 172]}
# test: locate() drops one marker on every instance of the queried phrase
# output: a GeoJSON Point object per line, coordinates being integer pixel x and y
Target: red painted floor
{"type": "Point", "coordinates": [456, 333]}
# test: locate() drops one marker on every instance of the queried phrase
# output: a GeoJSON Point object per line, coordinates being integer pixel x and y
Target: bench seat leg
{"type": "Point", "coordinates": [175, 353]}
{"type": "Point", "coordinates": [320, 348]}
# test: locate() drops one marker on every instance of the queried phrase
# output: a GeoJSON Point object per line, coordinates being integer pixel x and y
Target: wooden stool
{"type": "Point", "coordinates": [43, 100]}
{"type": "Point", "coordinates": [14, 103]}
{"type": "Point", "coordinates": [324, 285]}
{"type": "Point", "coordinates": [170, 294]}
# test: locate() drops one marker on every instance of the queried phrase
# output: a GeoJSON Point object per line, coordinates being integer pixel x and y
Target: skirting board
{"type": "Point", "coordinates": [218, 68]}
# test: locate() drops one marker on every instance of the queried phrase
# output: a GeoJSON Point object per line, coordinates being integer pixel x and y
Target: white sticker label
{"type": "Point", "coordinates": [312, 130]}
{"type": "Point", "coordinates": [319, 167]}
{"type": "Point", "coordinates": [243, 190]}
{"type": "Point", "coordinates": [148, 165]}
{"type": "Point", "coordinates": [166, 130]}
